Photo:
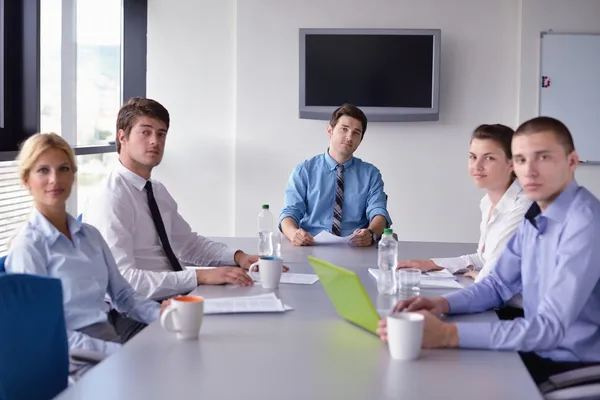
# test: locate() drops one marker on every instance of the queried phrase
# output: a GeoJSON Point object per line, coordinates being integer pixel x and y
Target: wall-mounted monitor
{"type": "Point", "coordinates": [391, 74]}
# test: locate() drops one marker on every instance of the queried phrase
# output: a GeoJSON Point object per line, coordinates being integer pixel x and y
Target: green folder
{"type": "Point", "coordinates": [347, 294]}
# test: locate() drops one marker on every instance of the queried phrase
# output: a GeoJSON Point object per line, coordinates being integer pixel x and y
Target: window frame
{"type": "Point", "coordinates": [20, 20]}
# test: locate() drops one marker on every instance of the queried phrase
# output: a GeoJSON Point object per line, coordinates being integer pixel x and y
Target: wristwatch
{"type": "Point", "coordinates": [373, 236]}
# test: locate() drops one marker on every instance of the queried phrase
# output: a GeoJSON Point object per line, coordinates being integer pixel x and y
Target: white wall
{"type": "Point", "coordinates": [423, 164]}
{"type": "Point", "coordinates": [228, 72]}
{"type": "Point", "coordinates": [191, 71]}
{"type": "Point", "coordinates": [560, 16]}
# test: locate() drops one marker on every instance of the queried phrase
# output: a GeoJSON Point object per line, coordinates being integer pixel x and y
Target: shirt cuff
{"type": "Point", "coordinates": [227, 256]}
{"type": "Point", "coordinates": [458, 301]}
{"type": "Point", "coordinates": [286, 215]}
{"type": "Point", "coordinates": [474, 335]}
{"type": "Point", "coordinates": [189, 281]}
{"type": "Point", "coordinates": [380, 211]}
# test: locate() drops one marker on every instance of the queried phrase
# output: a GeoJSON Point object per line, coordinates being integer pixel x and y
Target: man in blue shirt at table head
{"type": "Point", "coordinates": [553, 258]}
{"type": "Point", "coordinates": [335, 191]}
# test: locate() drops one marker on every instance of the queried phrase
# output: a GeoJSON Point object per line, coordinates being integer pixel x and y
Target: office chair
{"type": "Point", "coordinates": [33, 338]}
{"type": "Point", "coordinates": [580, 384]}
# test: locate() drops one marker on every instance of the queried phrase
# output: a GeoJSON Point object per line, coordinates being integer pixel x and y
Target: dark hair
{"type": "Point", "coordinates": [139, 107]}
{"type": "Point", "coordinates": [351, 111]}
{"type": "Point", "coordinates": [499, 133]}
{"type": "Point", "coordinates": [549, 124]}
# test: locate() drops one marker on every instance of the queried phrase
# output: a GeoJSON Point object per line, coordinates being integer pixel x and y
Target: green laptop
{"type": "Point", "coordinates": [347, 294]}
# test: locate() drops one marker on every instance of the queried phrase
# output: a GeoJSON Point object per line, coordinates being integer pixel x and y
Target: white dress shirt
{"type": "Point", "coordinates": [87, 271]}
{"type": "Point", "coordinates": [495, 232]}
{"type": "Point", "coordinates": [119, 209]}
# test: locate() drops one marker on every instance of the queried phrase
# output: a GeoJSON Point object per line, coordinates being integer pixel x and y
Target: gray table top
{"type": "Point", "coordinates": [307, 353]}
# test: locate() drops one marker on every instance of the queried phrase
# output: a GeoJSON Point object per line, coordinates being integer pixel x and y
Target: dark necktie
{"type": "Point", "coordinates": [160, 228]}
{"type": "Point", "coordinates": [336, 228]}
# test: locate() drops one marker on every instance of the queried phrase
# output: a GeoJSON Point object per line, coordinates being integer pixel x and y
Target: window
{"type": "Point", "coordinates": [92, 169]}
{"type": "Point", "coordinates": [92, 56]}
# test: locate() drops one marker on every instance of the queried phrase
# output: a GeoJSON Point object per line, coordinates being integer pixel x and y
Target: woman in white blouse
{"type": "Point", "coordinates": [502, 208]}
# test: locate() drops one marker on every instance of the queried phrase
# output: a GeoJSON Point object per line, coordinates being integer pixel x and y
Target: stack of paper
{"type": "Point", "coordinates": [325, 237]}
{"type": "Point", "coordinates": [295, 279]}
{"type": "Point", "coordinates": [267, 302]}
{"type": "Point", "coordinates": [428, 281]}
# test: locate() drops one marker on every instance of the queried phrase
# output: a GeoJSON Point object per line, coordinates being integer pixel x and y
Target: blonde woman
{"type": "Point", "coordinates": [53, 243]}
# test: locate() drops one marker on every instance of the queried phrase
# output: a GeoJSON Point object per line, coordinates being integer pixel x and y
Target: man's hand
{"type": "Point", "coordinates": [362, 238]}
{"type": "Point", "coordinates": [423, 265]}
{"type": "Point", "coordinates": [246, 260]}
{"type": "Point", "coordinates": [163, 305]}
{"type": "Point", "coordinates": [435, 305]}
{"type": "Point", "coordinates": [435, 332]}
{"type": "Point", "coordinates": [221, 275]}
{"type": "Point", "coordinates": [301, 238]}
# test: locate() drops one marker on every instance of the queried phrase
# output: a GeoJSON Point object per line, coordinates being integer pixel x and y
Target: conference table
{"type": "Point", "coordinates": [306, 353]}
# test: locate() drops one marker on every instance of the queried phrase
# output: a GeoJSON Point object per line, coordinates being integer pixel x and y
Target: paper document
{"type": "Point", "coordinates": [443, 274]}
{"type": "Point", "coordinates": [325, 237]}
{"type": "Point", "coordinates": [296, 279]}
{"type": "Point", "coordinates": [267, 302]}
{"type": "Point", "coordinates": [428, 283]}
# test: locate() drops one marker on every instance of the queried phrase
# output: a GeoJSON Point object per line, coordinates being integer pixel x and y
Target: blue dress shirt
{"type": "Point", "coordinates": [554, 259]}
{"type": "Point", "coordinates": [310, 195]}
{"type": "Point", "coordinates": [87, 271]}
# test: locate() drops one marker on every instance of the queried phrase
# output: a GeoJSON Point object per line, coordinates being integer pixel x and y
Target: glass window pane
{"type": "Point", "coordinates": [98, 69]}
{"type": "Point", "coordinates": [92, 169]}
{"type": "Point", "coordinates": [50, 65]}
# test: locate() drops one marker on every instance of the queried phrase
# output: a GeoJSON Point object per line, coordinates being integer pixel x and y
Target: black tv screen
{"type": "Point", "coordinates": [385, 73]}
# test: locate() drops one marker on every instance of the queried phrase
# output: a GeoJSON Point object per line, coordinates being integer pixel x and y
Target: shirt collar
{"type": "Point", "coordinates": [507, 201]}
{"type": "Point", "coordinates": [331, 163]}
{"type": "Point", "coordinates": [557, 210]}
{"type": "Point", "coordinates": [134, 179]}
{"type": "Point", "coordinates": [49, 231]}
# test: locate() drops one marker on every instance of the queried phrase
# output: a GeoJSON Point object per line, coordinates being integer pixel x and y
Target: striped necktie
{"type": "Point", "coordinates": [336, 228]}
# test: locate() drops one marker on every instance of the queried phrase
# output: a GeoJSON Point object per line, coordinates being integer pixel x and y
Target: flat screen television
{"type": "Point", "coordinates": [391, 74]}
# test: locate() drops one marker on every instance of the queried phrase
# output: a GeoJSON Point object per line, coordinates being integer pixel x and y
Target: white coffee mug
{"type": "Point", "coordinates": [405, 335]}
{"type": "Point", "coordinates": [269, 271]}
{"type": "Point", "coordinates": [184, 316]}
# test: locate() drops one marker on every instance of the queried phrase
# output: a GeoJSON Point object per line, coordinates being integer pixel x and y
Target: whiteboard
{"type": "Point", "coordinates": [570, 87]}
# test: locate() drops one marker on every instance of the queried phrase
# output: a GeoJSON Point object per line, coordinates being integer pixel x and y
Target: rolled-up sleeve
{"type": "Point", "coordinates": [377, 199]}
{"type": "Point", "coordinates": [295, 196]}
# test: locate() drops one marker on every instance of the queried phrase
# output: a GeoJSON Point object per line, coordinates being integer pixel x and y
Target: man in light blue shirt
{"type": "Point", "coordinates": [553, 258]}
{"type": "Point", "coordinates": [335, 191]}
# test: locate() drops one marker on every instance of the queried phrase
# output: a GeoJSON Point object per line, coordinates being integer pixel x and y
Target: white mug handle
{"type": "Point", "coordinates": [166, 320]}
{"type": "Point", "coordinates": [253, 274]}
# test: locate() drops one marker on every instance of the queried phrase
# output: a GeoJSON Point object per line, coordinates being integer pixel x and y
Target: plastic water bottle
{"type": "Point", "coordinates": [387, 260]}
{"type": "Point", "coordinates": [265, 232]}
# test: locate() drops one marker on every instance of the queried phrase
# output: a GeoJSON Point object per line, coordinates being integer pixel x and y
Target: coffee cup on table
{"type": "Point", "coordinates": [184, 316]}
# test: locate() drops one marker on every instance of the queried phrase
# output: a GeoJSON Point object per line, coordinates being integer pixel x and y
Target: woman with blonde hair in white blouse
{"type": "Point", "coordinates": [502, 208]}
{"type": "Point", "coordinates": [53, 243]}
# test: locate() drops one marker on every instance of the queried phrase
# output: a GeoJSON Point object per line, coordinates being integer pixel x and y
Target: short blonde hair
{"type": "Point", "coordinates": [35, 146]}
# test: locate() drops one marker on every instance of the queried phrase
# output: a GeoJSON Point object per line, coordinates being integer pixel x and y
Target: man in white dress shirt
{"type": "Point", "coordinates": [139, 220]}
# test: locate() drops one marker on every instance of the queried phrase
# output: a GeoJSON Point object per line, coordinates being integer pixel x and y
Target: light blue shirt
{"type": "Point", "coordinates": [554, 258]}
{"type": "Point", "coordinates": [310, 195]}
{"type": "Point", "coordinates": [87, 271]}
